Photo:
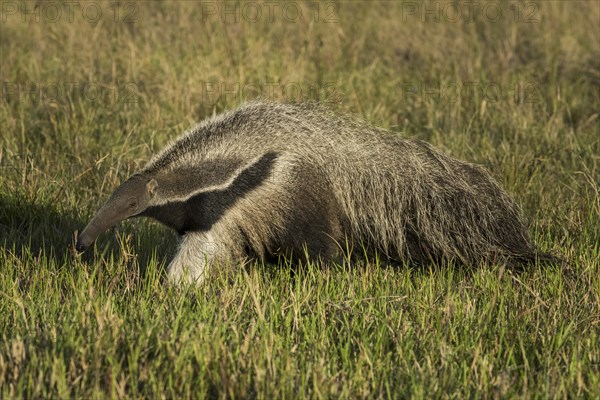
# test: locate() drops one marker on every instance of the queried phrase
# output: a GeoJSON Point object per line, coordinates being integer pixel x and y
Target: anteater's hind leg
{"type": "Point", "coordinates": [198, 252]}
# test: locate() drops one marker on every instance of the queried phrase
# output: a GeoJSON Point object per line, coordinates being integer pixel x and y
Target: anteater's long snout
{"type": "Point", "coordinates": [102, 221]}
{"type": "Point", "coordinates": [87, 237]}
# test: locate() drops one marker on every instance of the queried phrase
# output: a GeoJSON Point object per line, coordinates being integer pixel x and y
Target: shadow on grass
{"type": "Point", "coordinates": [34, 229]}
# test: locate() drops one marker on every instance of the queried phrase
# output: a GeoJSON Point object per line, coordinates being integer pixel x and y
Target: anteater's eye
{"type": "Point", "coordinates": [132, 204]}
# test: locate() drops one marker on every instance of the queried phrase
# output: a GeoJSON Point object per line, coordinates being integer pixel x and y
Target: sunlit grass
{"type": "Point", "coordinates": [105, 324]}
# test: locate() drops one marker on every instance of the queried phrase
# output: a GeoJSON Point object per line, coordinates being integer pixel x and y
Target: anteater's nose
{"type": "Point", "coordinates": [80, 246]}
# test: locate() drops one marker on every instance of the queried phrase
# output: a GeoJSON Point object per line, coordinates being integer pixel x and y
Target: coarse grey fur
{"type": "Point", "coordinates": [267, 179]}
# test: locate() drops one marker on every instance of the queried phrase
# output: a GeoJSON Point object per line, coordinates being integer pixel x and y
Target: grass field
{"type": "Point", "coordinates": [90, 91]}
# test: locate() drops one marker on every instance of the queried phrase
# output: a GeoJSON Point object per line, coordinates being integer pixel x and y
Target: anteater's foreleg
{"type": "Point", "coordinates": [198, 252]}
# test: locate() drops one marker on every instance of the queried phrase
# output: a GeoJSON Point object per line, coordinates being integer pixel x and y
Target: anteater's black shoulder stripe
{"type": "Point", "coordinates": [180, 184]}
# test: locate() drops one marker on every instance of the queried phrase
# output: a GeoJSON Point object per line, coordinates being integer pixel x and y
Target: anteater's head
{"type": "Point", "coordinates": [133, 197]}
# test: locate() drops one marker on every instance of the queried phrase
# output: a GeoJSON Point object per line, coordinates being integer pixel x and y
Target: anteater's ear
{"type": "Point", "coordinates": [151, 187]}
